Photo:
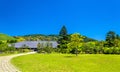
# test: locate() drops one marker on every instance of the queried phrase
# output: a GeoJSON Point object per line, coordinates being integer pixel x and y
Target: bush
{"type": "Point", "coordinates": [40, 50]}
{"type": "Point", "coordinates": [89, 50]}
{"type": "Point", "coordinates": [116, 50]}
{"type": "Point", "coordinates": [48, 49]}
{"type": "Point", "coordinates": [56, 50]}
{"type": "Point", "coordinates": [108, 50]}
{"type": "Point", "coordinates": [26, 50]}
{"type": "Point", "coordinates": [45, 50]}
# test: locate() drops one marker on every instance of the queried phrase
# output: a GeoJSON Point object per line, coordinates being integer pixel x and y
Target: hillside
{"type": "Point", "coordinates": [5, 37]}
{"type": "Point", "coordinates": [35, 37]}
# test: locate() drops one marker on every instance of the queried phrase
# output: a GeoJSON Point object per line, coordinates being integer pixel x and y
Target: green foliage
{"type": "Point", "coordinates": [63, 31]}
{"type": "Point", "coordinates": [75, 43]}
{"type": "Point", "coordinates": [87, 39]}
{"type": "Point", "coordinates": [88, 48]}
{"type": "Point", "coordinates": [63, 40]}
{"type": "Point", "coordinates": [44, 49]}
{"type": "Point", "coordinates": [111, 50]}
{"type": "Point", "coordinates": [26, 50]}
{"type": "Point", "coordinates": [110, 39]}
{"type": "Point", "coordinates": [11, 41]}
{"type": "Point", "coordinates": [36, 37]}
{"type": "Point", "coordinates": [41, 50]}
{"type": "Point", "coordinates": [107, 50]}
{"type": "Point", "coordinates": [4, 48]}
{"type": "Point", "coordinates": [48, 49]}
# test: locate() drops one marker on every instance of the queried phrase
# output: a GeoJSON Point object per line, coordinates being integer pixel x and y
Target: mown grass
{"type": "Point", "coordinates": [67, 63]}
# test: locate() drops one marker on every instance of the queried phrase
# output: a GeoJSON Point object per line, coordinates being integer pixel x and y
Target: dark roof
{"type": "Point", "coordinates": [33, 44]}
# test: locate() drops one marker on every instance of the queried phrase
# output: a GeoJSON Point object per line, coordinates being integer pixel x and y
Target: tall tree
{"type": "Point", "coordinates": [63, 31]}
{"type": "Point", "coordinates": [63, 36]}
{"type": "Point", "coordinates": [110, 38]}
{"type": "Point", "coordinates": [63, 40]}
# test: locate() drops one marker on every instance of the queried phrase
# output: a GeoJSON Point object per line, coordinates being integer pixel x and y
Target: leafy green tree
{"type": "Point", "coordinates": [75, 42]}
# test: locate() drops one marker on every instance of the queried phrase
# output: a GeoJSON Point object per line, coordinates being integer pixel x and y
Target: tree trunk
{"type": "Point", "coordinates": [76, 51]}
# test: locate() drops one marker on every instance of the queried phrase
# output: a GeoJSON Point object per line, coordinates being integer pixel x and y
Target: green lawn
{"type": "Point", "coordinates": [67, 63]}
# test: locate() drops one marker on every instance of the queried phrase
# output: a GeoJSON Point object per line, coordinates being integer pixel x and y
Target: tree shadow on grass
{"type": "Point", "coordinates": [69, 56]}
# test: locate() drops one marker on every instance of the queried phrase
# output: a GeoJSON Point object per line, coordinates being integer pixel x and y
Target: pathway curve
{"type": "Point", "coordinates": [6, 66]}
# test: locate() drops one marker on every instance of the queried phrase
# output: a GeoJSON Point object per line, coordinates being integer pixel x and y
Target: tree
{"type": "Point", "coordinates": [100, 44]}
{"type": "Point", "coordinates": [110, 38]}
{"type": "Point", "coordinates": [19, 39]}
{"type": "Point", "coordinates": [63, 40]}
{"type": "Point", "coordinates": [63, 36]}
{"type": "Point", "coordinates": [63, 31]}
{"type": "Point", "coordinates": [3, 47]}
{"type": "Point", "coordinates": [90, 48]}
{"type": "Point", "coordinates": [75, 42]}
{"type": "Point", "coordinates": [117, 37]}
{"type": "Point", "coordinates": [39, 48]}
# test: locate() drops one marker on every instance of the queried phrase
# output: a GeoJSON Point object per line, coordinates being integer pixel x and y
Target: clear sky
{"type": "Point", "coordinates": [92, 18]}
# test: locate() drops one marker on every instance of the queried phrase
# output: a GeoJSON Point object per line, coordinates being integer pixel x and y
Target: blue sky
{"type": "Point", "coordinates": [92, 18]}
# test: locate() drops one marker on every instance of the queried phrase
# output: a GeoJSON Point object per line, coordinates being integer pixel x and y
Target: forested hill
{"type": "Point", "coordinates": [52, 37]}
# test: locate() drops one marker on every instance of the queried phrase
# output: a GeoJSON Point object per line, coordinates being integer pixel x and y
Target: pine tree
{"type": "Point", "coordinates": [63, 31]}
{"type": "Point", "coordinates": [63, 36]}
{"type": "Point", "coordinates": [63, 40]}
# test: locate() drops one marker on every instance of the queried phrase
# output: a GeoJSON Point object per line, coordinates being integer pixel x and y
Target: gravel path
{"type": "Point", "coordinates": [6, 66]}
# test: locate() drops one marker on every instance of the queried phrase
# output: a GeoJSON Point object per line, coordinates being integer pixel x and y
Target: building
{"type": "Point", "coordinates": [34, 44]}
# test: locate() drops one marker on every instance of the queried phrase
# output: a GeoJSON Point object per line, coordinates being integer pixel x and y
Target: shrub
{"type": "Point", "coordinates": [107, 50]}
{"type": "Point", "coordinates": [45, 50]}
{"type": "Point", "coordinates": [48, 49]}
{"type": "Point", "coordinates": [116, 50]}
{"type": "Point", "coordinates": [26, 50]}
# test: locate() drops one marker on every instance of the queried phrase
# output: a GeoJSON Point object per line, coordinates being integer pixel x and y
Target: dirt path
{"type": "Point", "coordinates": [6, 66]}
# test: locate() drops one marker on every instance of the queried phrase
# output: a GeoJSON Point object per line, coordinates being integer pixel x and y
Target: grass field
{"type": "Point", "coordinates": [67, 63]}
{"type": "Point", "coordinates": [5, 37]}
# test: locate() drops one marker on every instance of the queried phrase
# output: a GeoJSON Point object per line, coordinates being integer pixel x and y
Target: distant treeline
{"type": "Point", "coordinates": [51, 37]}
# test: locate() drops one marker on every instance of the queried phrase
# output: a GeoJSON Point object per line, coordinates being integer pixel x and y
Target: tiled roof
{"type": "Point", "coordinates": [33, 44]}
